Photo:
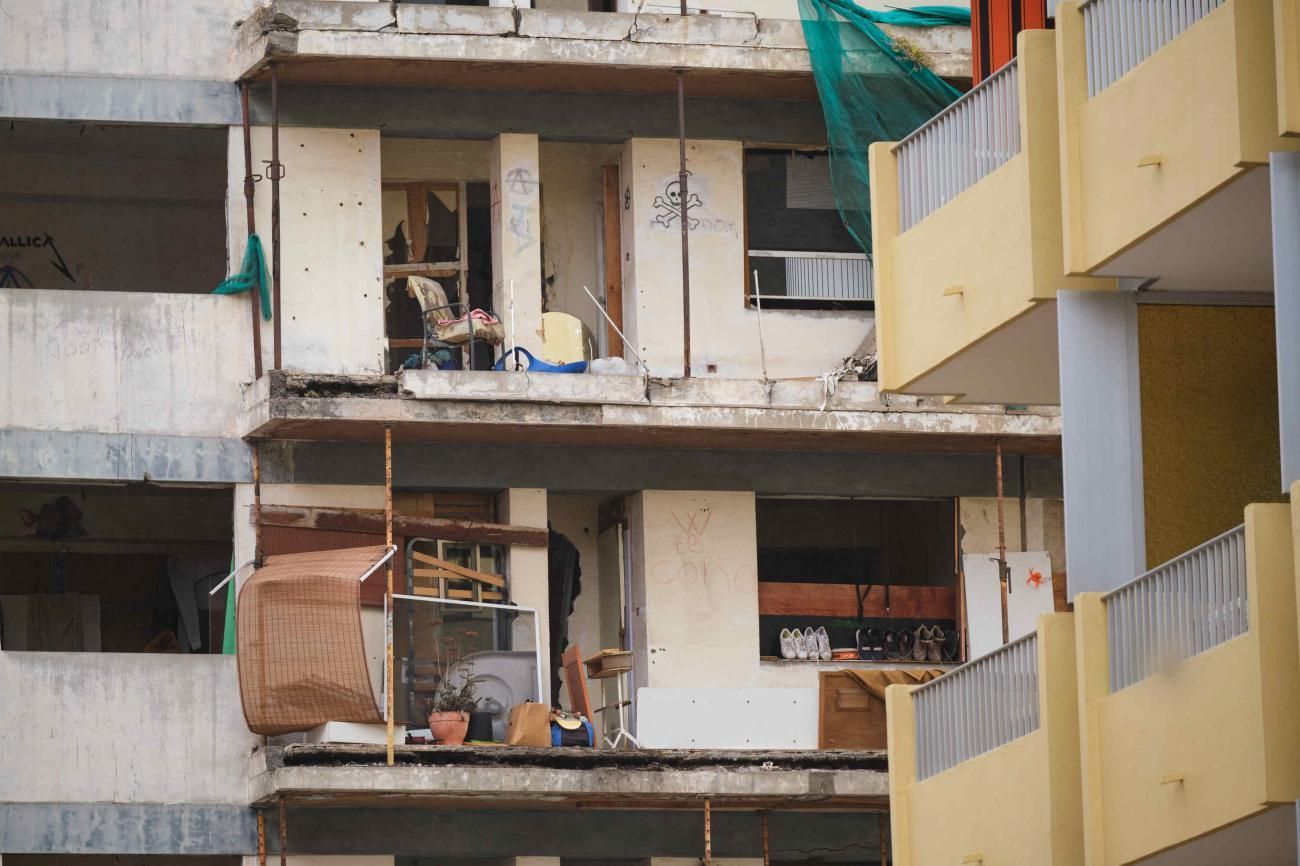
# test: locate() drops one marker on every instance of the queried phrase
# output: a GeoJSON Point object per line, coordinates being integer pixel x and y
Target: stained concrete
{"type": "Point", "coordinates": [117, 828]}
{"type": "Point", "coordinates": [89, 456]}
{"type": "Point", "coordinates": [119, 100]}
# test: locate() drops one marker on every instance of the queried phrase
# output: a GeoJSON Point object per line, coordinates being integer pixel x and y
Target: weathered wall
{"type": "Point", "coordinates": [122, 728]}
{"type": "Point", "coordinates": [122, 362]}
{"type": "Point", "coordinates": [724, 332]}
{"type": "Point", "coordinates": [695, 580]}
{"type": "Point", "coordinates": [330, 230]}
{"type": "Point", "coordinates": [1209, 421]}
{"type": "Point", "coordinates": [1044, 526]}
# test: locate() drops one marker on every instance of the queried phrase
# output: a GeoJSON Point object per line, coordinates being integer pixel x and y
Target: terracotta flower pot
{"type": "Point", "coordinates": [449, 728]}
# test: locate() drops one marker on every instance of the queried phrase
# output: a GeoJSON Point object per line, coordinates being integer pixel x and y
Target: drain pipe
{"type": "Point", "coordinates": [249, 180]}
{"type": "Point", "coordinates": [1003, 575]}
{"type": "Point", "coordinates": [276, 171]}
{"type": "Point", "coordinates": [684, 216]}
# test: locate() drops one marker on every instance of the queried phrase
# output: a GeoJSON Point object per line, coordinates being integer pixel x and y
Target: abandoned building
{"type": "Point", "coordinates": [541, 358]}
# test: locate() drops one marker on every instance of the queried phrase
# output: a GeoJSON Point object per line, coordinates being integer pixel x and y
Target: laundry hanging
{"type": "Point", "coordinates": [252, 272]}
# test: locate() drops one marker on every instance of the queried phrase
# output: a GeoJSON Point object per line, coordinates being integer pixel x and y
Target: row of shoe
{"type": "Point", "coordinates": [924, 644]}
{"type": "Point", "coordinates": [809, 643]}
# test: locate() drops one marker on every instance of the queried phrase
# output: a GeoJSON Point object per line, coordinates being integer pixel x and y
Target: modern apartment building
{"type": "Point", "coordinates": [733, 477]}
{"type": "Point", "coordinates": [1110, 223]}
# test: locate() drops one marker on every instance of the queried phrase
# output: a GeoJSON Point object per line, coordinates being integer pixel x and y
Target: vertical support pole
{"type": "Point", "coordinates": [767, 856]}
{"type": "Point", "coordinates": [254, 296]}
{"type": "Point", "coordinates": [284, 832]}
{"type": "Point", "coordinates": [388, 589]}
{"type": "Point", "coordinates": [708, 832]}
{"type": "Point", "coordinates": [1002, 542]}
{"type": "Point", "coordinates": [959, 572]}
{"type": "Point", "coordinates": [276, 171]}
{"type": "Point", "coordinates": [882, 825]}
{"type": "Point", "coordinates": [261, 838]}
{"type": "Point", "coordinates": [257, 505]}
{"type": "Point", "coordinates": [683, 180]}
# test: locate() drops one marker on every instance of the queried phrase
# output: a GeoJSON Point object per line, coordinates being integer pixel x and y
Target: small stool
{"type": "Point", "coordinates": [612, 664]}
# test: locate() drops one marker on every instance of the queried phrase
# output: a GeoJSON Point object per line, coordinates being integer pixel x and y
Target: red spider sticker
{"type": "Point", "coordinates": [1035, 578]}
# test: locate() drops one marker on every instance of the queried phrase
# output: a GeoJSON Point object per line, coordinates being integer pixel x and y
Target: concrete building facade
{"type": "Point", "coordinates": [526, 162]}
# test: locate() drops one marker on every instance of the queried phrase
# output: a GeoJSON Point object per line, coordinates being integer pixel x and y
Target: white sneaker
{"type": "Point", "coordinates": [823, 643]}
{"type": "Point", "coordinates": [800, 644]}
{"type": "Point", "coordinates": [787, 644]}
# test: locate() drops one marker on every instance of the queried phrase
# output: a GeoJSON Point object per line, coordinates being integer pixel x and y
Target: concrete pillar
{"type": "Point", "coordinates": [526, 568]}
{"type": "Point", "coordinates": [1101, 439]}
{"type": "Point", "coordinates": [1284, 175]}
{"type": "Point", "coordinates": [900, 731]}
{"type": "Point", "coordinates": [517, 238]}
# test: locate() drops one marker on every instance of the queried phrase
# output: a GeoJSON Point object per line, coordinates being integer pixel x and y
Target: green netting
{"type": "Point", "coordinates": [252, 274]}
{"type": "Point", "coordinates": [872, 88]}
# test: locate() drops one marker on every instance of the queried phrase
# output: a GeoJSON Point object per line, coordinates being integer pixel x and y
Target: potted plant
{"type": "Point", "coordinates": [449, 708]}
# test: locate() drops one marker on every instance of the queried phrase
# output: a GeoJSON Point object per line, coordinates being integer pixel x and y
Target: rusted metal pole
{"type": "Point", "coordinates": [708, 832]}
{"type": "Point", "coordinates": [257, 505]}
{"type": "Point", "coordinates": [255, 296]}
{"type": "Point", "coordinates": [683, 183]}
{"type": "Point", "coordinates": [882, 825]}
{"type": "Point", "coordinates": [1003, 576]}
{"type": "Point", "coordinates": [276, 172]}
{"type": "Point", "coordinates": [284, 832]}
{"type": "Point", "coordinates": [388, 589]}
{"type": "Point", "coordinates": [767, 859]}
{"type": "Point", "coordinates": [261, 838]}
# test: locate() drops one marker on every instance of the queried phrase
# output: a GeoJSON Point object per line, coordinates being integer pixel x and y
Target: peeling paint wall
{"type": "Point", "coordinates": [122, 728]}
{"type": "Point", "coordinates": [724, 332]}
{"type": "Point", "coordinates": [331, 230]}
{"type": "Point", "coordinates": [122, 362]}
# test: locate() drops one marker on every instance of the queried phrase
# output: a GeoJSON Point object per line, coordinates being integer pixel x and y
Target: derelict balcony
{"type": "Point", "coordinates": [989, 753]}
{"type": "Point", "coordinates": [1169, 111]}
{"type": "Point", "coordinates": [967, 242]}
{"type": "Point", "coordinates": [1189, 684]}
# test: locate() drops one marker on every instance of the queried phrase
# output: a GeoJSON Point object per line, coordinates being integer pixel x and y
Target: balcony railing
{"type": "Point", "coordinates": [977, 707]}
{"type": "Point", "coordinates": [958, 146]}
{"type": "Point", "coordinates": [1177, 610]}
{"type": "Point", "coordinates": [1120, 34]}
{"type": "Point", "coordinates": [818, 276]}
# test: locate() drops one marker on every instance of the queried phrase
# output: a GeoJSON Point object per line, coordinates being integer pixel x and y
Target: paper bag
{"type": "Point", "coordinates": [529, 725]}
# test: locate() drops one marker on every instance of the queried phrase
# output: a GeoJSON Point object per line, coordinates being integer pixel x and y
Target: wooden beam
{"type": "Point", "coordinates": [407, 525]}
{"type": "Point", "coordinates": [422, 269]}
{"type": "Point", "coordinates": [613, 250]}
{"type": "Point", "coordinates": [457, 571]}
{"type": "Point", "coordinates": [837, 599]}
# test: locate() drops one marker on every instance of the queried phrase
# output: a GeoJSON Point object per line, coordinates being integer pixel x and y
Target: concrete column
{"type": "Point", "coordinates": [1284, 175]}
{"type": "Point", "coordinates": [1092, 660]}
{"type": "Point", "coordinates": [517, 238]}
{"type": "Point", "coordinates": [526, 568]}
{"type": "Point", "coordinates": [1101, 439]}
{"type": "Point", "coordinates": [900, 730]}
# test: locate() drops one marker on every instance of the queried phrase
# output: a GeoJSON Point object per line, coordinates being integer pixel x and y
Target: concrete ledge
{"type": "Point", "coordinates": [119, 100]}
{"type": "Point", "coordinates": [59, 454]}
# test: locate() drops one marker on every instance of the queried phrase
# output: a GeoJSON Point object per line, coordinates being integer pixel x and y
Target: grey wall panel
{"type": "Point", "coordinates": [1284, 174]}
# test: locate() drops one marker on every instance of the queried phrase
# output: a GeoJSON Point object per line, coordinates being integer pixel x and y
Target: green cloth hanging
{"type": "Point", "coordinates": [253, 272]}
{"type": "Point", "coordinates": [228, 630]}
{"type": "Point", "coordinates": [872, 88]}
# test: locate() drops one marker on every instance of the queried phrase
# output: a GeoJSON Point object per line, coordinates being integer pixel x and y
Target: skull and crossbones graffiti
{"type": "Point", "coordinates": [670, 206]}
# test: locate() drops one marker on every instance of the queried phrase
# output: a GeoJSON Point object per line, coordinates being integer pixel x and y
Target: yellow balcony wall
{"type": "Point", "coordinates": [950, 289]}
{"type": "Point", "coordinates": [1019, 803]}
{"type": "Point", "coordinates": [1286, 34]}
{"type": "Point", "coordinates": [1193, 116]}
{"type": "Point", "coordinates": [1206, 742]}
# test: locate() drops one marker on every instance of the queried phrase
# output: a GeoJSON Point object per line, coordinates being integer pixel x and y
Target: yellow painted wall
{"type": "Point", "coordinates": [1205, 105]}
{"type": "Point", "coordinates": [1286, 26]}
{"type": "Point", "coordinates": [1209, 421]}
{"type": "Point", "coordinates": [1219, 720]}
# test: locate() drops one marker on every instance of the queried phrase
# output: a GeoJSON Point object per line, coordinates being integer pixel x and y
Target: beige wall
{"type": "Point", "coordinates": [724, 332]}
{"type": "Point", "coordinates": [1044, 526]}
{"type": "Point", "coordinates": [574, 517]}
{"type": "Point", "coordinates": [331, 231]}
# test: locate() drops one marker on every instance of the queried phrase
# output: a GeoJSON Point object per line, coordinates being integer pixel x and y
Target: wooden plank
{"type": "Point", "coordinates": [405, 343]}
{"type": "Point", "coordinates": [613, 250]}
{"type": "Point", "coordinates": [442, 565]}
{"type": "Point", "coordinates": [838, 599]}
{"type": "Point", "coordinates": [421, 269]}
{"type": "Point", "coordinates": [407, 525]}
{"type": "Point", "coordinates": [459, 594]}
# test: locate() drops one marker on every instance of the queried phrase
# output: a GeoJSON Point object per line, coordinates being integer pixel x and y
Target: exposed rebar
{"type": "Point", "coordinates": [250, 179]}
{"type": "Point", "coordinates": [1003, 571]}
{"type": "Point", "coordinates": [684, 207]}
{"type": "Point", "coordinates": [276, 171]}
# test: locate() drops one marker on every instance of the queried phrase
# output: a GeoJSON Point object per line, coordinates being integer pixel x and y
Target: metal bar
{"type": "Point", "coordinates": [683, 181]}
{"type": "Point", "coordinates": [284, 832]}
{"type": "Point", "coordinates": [257, 504]}
{"type": "Point", "coordinates": [1003, 582]}
{"type": "Point", "coordinates": [261, 838]}
{"type": "Point", "coordinates": [767, 858]}
{"type": "Point", "coordinates": [708, 818]}
{"type": "Point", "coordinates": [254, 295]}
{"type": "Point", "coordinates": [388, 591]}
{"type": "Point", "coordinates": [276, 171]}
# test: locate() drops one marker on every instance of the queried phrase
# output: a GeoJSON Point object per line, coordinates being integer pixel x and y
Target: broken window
{"type": "Point", "coordinates": [116, 208]}
{"type": "Point", "coordinates": [800, 255]}
{"type": "Point", "coordinates": [109, 568]}
{"type": "Point", "coordinates": [440, 232]}
{"type": "Point", "coordinates": [856, 564]}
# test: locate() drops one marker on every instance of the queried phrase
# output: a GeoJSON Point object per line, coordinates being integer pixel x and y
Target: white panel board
{"type": "Point", "coordinates": [709, 718]}
{"type": "Point", "coordinates": [1028, 597]}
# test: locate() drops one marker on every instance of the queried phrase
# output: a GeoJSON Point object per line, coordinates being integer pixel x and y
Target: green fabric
{"type": "Point", "coordinates": [253, 272]}
{"type": "Point", "coordinates": [228, 631]}
{"type": "Point", "coordinates": [870, 90]}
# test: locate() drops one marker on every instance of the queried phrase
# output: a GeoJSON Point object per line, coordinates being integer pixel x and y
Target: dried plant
{"type": "Point", "coordinates": [911, 53]}
{"type": "Point", "coordinates": [452, 697]}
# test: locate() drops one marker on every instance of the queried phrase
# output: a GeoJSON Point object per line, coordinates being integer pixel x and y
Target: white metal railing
{"type": "Point", "coordinates": [822, 276]}
{"type": "Point", "coordinates": [1120, 34]}
{"type": "Point", "coordinates": [958, 146]}
{"type": "Point", "coordinates": [977, 707]}
{"type": "Point", "coordinates": [1188, 605]}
